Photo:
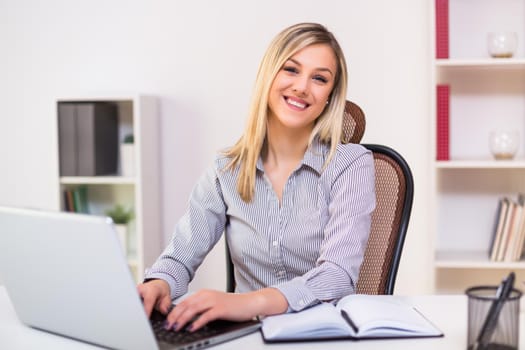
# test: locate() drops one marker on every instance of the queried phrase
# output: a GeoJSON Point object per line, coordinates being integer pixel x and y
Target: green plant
{"type": "Point", "coordinates": [119, 214]}
{"type": "Point", "coordinates": [129, 138]}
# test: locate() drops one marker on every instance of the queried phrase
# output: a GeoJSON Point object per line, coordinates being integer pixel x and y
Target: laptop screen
{"type": "Point", "coordinates": [66, 273]}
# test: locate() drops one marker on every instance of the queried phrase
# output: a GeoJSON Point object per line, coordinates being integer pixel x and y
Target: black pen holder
{"type": "Point", "coordinates": [505, 334]}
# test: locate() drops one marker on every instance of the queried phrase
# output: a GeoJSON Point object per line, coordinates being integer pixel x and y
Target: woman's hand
{"type": "Point", "coordinates": [207, 305]}
{"type": "Point", "coordinates": [155, 294]}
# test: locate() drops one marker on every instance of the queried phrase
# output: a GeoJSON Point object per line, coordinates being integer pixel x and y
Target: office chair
{"type": "Point", "coordinates": [354, 123]}
{"type": "Point", "coordinates": [394, 195]}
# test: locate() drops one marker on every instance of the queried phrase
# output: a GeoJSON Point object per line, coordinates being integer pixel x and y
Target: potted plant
{"type": "Point", "coordinates": [127, 156]}
{"type": "Point", "coordinates": [121, 217]}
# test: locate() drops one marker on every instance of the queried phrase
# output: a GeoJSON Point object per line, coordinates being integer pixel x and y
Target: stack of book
{"type": "Point", "coordinates": [75, 199]}
{"type": "Point", "coordinates": [509, 230]}
{"type": "Point", "coordinates": [88, 138]}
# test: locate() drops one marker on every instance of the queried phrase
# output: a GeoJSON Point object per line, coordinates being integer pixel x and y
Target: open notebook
{"type": "Point", "coordinates": [66, 273]}
{"type": "Point", "coordinates": [355, 317]}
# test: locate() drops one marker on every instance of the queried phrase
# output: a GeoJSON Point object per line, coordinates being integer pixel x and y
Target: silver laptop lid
{"type": "Point", "coordinates": [66, 273]}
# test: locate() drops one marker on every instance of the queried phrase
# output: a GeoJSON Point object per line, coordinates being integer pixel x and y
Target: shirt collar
{"type": "Point", "coordinates": [314, 157]}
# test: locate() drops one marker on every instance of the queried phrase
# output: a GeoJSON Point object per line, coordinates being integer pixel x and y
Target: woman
{"type": "Point", "coordinates": [295, 204]}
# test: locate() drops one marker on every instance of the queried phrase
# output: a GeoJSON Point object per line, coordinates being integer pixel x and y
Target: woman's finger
{"type": "Point", "coordinates": [202, 320]}
{"type": "Point", "coordinates": [148, 300]}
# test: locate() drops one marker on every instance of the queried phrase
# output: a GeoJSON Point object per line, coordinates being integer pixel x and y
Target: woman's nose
{"type": "Point", "coordinates": [301, 87]}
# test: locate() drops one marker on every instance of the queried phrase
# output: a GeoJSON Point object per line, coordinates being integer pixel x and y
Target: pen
{"type": "Point", "coordinates": [350, 322]}
{"type": "Point", "coordinates": [491, 320]}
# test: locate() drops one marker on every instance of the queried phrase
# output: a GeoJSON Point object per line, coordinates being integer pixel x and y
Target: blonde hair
{"type": "Point", "coordinates": [328, 127]}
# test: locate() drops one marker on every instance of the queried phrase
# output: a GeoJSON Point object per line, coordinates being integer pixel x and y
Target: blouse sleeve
{"type": "Point", "coordinates": [352, 201]}
{"type": "Point", "coordinates": [196, 233]}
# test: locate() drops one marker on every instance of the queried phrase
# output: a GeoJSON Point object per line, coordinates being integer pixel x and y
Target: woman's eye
{"type": "Point", "coordinates": [290, 69]}
{"type": "Point", "coordinates": [321, 79]}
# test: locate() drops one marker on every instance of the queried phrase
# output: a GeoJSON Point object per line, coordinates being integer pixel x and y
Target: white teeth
{"type": "Point", "coordinates": [296, 104]}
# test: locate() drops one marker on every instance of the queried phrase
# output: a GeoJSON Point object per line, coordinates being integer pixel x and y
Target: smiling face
{"type": "Point", "coordinates": [302, 87]}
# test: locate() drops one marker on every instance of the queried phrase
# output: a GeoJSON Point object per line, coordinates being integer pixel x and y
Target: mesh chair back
{"type": "Point", "coordinates": [394, 194]}
{"type": "Point", "coordinates": [354, 123]}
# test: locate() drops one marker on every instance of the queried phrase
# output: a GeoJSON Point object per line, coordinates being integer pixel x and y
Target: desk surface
{"type": "Point", "coordinates": [447, 312]}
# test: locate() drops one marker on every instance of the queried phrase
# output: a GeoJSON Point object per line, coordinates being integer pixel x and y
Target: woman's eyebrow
{"type": "Point", "coordinates": [324, 69]}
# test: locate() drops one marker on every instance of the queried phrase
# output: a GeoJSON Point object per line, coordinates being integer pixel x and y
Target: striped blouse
{"type": "Point", "coordinates": [310, 246]}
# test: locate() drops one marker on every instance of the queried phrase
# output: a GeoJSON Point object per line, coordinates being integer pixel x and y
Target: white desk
{"type": "Point", "coordinates": [447, 312]}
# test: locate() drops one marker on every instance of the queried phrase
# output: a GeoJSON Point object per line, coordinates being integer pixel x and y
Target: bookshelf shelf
{"type": "Point", "coordinates": [97, 180]}
{"type": "Point", "coordinates": [489, 63]}
{"type": "Point", "coordinates": [480, 164]}
{"type": "Point", "coordinates": [472, 260]}
{"type": "Point", "coordinates": [473, 94]}
{"type": "Point", "coordinates": [137, 115]}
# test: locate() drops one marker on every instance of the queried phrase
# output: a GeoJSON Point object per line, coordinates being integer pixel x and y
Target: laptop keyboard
{"type": "Point", "coordinates": [182, 336]}
{"type": "Point", "coordinates": [213, 333]}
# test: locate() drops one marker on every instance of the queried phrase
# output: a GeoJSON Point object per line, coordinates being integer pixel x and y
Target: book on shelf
{"type": "Point", "coordinates": [520, 241]}
{"type": "Point", "coordinates": [511, 253]}
{"type": "Point", "coordinates": [355, 317]}
{"type": "Point", "coordinates": [97, 138]}
{"type": "Point", "coordinates": [67, 136]}
{"type": "Point", "coordinates": [502, 224]}
{"type": "Point", "coordinates": [76, 199]}
{"type": "Point", "coordinates": [497, 226]}
{"type": "Point", "coordinates": [442, 31]}
{"type": "Point", "coordinates": [442, 122]}
{"type": "Point", "coordinates": [88, 138]}
{"type": "Point", "coordinates": [69, 203]}
{"type": "Point", "coordinates": [509, 230]}
{"type": "Point", "coordinates": [510, 220]}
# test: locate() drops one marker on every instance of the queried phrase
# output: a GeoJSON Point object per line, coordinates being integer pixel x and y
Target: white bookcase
{"type": "Point", "coordinates": [485, 94]}
{"type": "Point", "coordinates": [137, 115]}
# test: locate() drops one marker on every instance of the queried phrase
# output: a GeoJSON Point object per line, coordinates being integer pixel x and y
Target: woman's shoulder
{"type": "Point", "coordinates": [216, 170]}
{"type": "Point", "coordinates": [221, 162]}
{"type": "Point", "coordinates": [348, 156]}
{"type": "Point", "coordinates": [221, 159]}
{"type": "Point", "coordinates": [224, 156]}
{"type": "Point", "coordinates": [352, 151]}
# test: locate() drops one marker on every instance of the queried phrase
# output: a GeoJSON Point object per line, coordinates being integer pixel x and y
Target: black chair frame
{"type": "Point", "coordinates": [405, 206]}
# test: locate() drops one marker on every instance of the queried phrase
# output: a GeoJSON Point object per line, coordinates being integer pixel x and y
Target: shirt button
{"type": "Point", "coordinates": [275, 243]}
{"type": "Point", "coordinates": [301, 302]}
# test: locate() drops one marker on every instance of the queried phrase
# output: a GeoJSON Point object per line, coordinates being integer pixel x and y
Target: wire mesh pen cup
{"type": "Point", "coordinates": [505, 335]}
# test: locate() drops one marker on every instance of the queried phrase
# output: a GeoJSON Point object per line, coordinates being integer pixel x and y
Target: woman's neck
{"type": "Point", "coordinates": [282, 153]}
{"type": "Point", "coordinates": [284, 145]}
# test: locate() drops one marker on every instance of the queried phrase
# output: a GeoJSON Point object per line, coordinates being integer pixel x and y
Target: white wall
{"type": "Point", "coordinates": [200, 58]}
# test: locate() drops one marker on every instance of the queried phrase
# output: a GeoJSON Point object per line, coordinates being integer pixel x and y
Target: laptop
{"type": "Point", "coordinates": [66, 273]}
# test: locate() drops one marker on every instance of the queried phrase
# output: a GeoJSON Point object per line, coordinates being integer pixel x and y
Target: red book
{"type": "Point", "coordinates": [441, 28]}
{"type": "Point", "coordinates": [442, 127]}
